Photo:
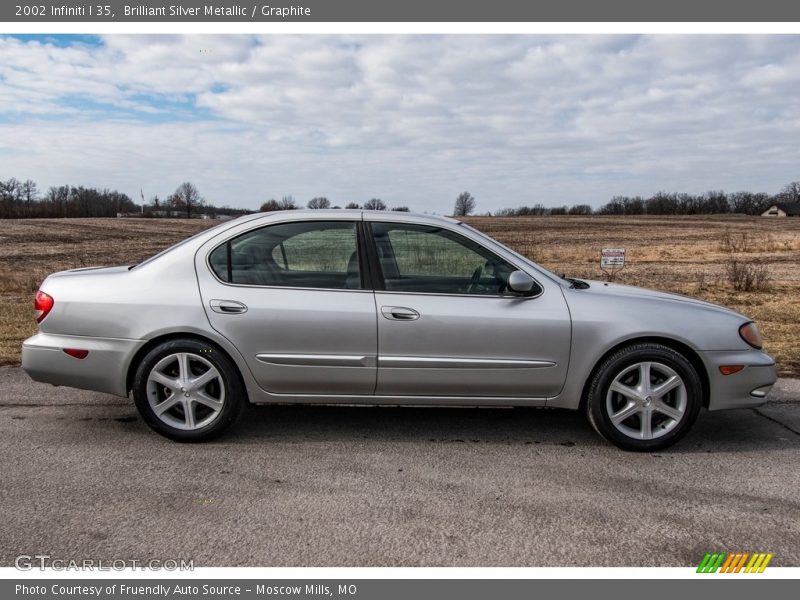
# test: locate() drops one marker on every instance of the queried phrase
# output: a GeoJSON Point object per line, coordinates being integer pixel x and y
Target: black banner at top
{"type": "Point", "coordinates": [399, 11]}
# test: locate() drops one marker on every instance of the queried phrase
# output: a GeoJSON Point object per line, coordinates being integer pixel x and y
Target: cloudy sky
{"type": "Point", "coordinates": [413, 120]}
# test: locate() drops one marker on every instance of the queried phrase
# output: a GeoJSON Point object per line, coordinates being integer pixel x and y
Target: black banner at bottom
{"type": "Point", "coordinates": [396, 589]}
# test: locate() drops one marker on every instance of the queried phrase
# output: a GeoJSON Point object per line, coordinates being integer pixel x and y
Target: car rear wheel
{"type": "Point", "coordinates": [187, 391]}
{"type": "Point", "coordinates": [644, 397]}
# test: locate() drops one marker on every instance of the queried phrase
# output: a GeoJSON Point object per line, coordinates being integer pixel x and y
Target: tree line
{"type": "Point", "coordinates": [664, 203]}
{"type": "Point", "coordinates": [23, 199]}
{"type": "Point", "coordinates": [321, 202]}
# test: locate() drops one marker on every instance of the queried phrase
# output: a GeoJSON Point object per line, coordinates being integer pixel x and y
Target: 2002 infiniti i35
{"type": "Point", "coordinates": [346, 306]}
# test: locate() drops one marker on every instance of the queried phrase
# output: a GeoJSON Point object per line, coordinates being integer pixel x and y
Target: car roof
{"type": "Point", "coordinates": [345, 213]}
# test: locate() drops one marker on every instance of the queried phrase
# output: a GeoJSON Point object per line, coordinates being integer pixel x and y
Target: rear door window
{"type": "Point", "coordinates": [312, 254]}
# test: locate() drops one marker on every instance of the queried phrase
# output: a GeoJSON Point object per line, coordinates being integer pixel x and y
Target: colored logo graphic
{"type": "Point", "coordinates": [734, 563]}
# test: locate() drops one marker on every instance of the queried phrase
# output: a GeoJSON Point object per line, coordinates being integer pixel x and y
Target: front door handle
{"type": "Point", "coordinates": [227, 307]}
{"type": "Point", "coordinates": [399, 313]}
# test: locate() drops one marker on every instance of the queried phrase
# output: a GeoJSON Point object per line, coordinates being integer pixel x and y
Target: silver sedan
{"type": "Point", "coordinates": [347, 306]}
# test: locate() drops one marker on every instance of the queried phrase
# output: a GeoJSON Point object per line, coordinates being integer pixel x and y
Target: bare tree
{"type": "Point", "coordinates": [185, 197]}
{"type": "Point", "coordinates": [30, 193]}
{"type": "Point", "coordinates": [288, 203]}
{"type": "Point", "coordinates": [270, 205]}
{"type": "Point", "coordinates": [352, 205]}
{"type": "Point", "coordinates": [465, 204]}
{"type": "Point", "coordinates": [319, 202]}
{"type": "Point", "coordinates": [375, 204]}
{"type": "Point", "coordinates": [791, 192]}
{"type": "Point", "coordinates": [580, 209]}
{"type": "Point", "coordinates": [9, 198]}
{"type": "Point", "coordinates": [749, 203]}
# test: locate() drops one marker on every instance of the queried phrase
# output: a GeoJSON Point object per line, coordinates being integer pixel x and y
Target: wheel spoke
{"type": "Point", "coordinates": [184, 373]}
{"type": "Point", "coordinates": [666, 409]}
{"type": "Point", "coordinates": [198, 383]}
{"type": "Point", "coordinates": [644, 378]}
{"type": "Point", "coordinates": [629, 410]}
{"type": "Point", "coordinates": [164, 406]}
{"type": "Point", "coordinates": [646, 418]}
{"type": "Point", "coordinates": [167, 382]}
{"type": "Point", "coordinates": [207, 400]}
{"type": "Point", "coordinates": [624, 390]}
{"type": "Point", "coordinates": [188, 411]}
{"type": "Point", "coordinates": [669, 385]}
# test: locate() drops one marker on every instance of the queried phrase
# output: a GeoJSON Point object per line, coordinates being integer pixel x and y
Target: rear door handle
{"type": "Point", "coordinates": [399, 313]}
{"type": "Point", "coordinates": [228, 307]}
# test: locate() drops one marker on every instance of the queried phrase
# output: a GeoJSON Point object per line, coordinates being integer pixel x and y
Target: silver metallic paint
{"type": "Point", "coordinates": [114, 312]}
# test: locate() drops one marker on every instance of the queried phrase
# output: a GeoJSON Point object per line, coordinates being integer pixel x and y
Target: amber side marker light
{"type": "Point", "coordinates": [730, 369]}
{"type": "Point", "coordinates": [76, 353]}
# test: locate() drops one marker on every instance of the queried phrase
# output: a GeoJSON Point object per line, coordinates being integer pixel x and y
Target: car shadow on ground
{"type": "Point", "coordinates": [726, 431]}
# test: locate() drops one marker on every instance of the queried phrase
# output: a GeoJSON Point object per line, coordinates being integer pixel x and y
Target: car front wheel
{"type": "Point", "coordinates": [644, 397]}
{"type": "Point", "coordinates": [187, 391]}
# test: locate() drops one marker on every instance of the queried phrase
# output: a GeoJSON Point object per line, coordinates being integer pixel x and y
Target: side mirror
{"type": "Point", "coordinates": [520, 282]}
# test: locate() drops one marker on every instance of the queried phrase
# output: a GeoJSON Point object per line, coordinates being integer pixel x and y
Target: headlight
{"type": "Point", "coordinates": [751, 334]}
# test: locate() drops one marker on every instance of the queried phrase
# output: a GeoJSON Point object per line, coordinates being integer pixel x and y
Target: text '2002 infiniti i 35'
{"type": "Point", "coordinates": [354, 307]}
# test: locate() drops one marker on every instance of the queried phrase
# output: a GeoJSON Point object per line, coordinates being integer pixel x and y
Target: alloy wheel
{"type": "Point", "coordinates": [185, 391]}
{"type": "Point", "coordinates": [646, 400]}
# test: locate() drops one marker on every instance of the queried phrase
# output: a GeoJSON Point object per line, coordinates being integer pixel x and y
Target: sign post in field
{"type": "Point", "coordinates": [612, 261]}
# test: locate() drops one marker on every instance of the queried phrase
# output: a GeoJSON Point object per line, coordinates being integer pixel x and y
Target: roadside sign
{"type": "Point", "coordinates": [611, 258]}
{"type": "Point", "coordinates": [611, 261]}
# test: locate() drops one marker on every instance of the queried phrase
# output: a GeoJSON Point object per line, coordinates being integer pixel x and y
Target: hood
{"type": "Point", "coordinates": [603, 288]}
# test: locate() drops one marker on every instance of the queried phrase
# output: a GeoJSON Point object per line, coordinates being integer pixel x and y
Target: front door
{"type": "Point", "coordinates": [290, 297]}
{"type": "Point", "coordinates": [447, 326]}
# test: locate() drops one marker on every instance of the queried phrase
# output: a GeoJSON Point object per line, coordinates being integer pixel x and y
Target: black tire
{"type": "Point", "coordinates": [200, 355]}
{"type": "Point", "coordinates": [670, 429]}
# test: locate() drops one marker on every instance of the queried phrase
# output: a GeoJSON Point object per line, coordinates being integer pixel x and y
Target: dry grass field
{"type": "Point", "coordinates": [678, 254]}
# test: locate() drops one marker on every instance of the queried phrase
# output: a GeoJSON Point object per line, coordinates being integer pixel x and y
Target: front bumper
{"type": "Point", "coordinates": [747, 388]}
{"type": "Point", "coordinates": [105, 368]}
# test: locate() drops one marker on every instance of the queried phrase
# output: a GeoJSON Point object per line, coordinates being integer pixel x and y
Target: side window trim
{"type": "Point", "coordinates": [372, 262]}
{"type": "Point", "coordinates": [364, 263]}
{"type": "Point", "coordinates": [228, 259]}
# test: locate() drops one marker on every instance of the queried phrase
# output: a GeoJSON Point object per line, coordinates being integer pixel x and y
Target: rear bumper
{"type": "Point", "coordinates": [103, 370]}
{"type": "Point", "coordinates": [747, 388]}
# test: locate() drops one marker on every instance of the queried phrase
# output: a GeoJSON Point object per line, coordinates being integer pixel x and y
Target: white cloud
{"type": "Point", "coordinates": [412, 119]}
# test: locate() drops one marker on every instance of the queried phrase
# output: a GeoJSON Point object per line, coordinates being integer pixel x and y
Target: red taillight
{"type": "Point", "coordinates": [42, 305]}
{"type": "Point", "coordinates": [76, 353]}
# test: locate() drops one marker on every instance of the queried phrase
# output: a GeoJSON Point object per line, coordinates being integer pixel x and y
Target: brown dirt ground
{"type": "Point", "coordinates": [678, 254]}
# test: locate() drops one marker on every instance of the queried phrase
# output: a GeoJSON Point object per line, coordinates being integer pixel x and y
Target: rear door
{"type": "Point", "coordinates": [448, 327]}
{"type": "Point", "coordinates": [292, 298]}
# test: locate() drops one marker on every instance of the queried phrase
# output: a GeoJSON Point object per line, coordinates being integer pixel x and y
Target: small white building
{"type": "Point", "coordinates": [783, 209]}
